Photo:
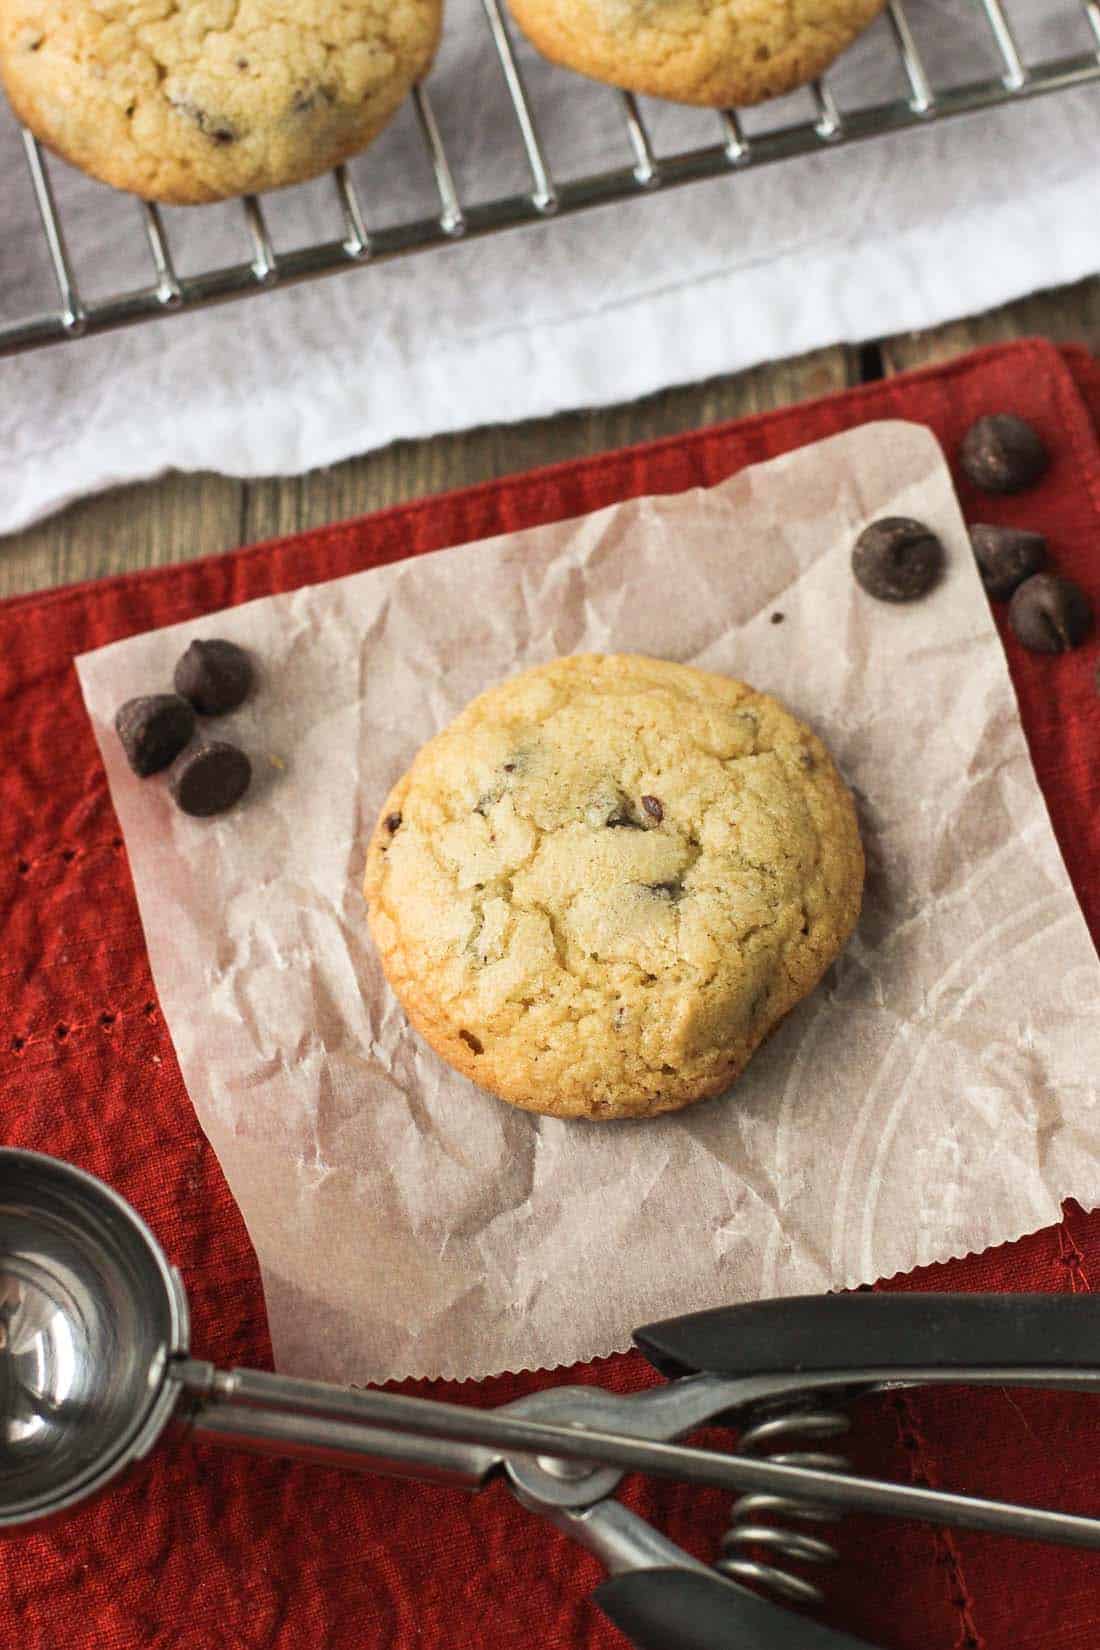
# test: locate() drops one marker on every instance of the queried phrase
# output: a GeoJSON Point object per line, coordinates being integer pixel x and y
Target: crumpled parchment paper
{"type": "Point", "coordinates": [936, 1094]}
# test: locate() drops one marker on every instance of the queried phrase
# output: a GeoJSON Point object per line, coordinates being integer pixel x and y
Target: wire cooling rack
{"type": "Point", "coordinates": [733, 150]}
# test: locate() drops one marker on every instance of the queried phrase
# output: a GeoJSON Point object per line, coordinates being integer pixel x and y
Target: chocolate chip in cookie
{"type": "Point", "coordinates": [215, 127]}
{"type": "Point", "coordinates": [897, 559]}
{"type": "Point", "coordinates": [623, 816]}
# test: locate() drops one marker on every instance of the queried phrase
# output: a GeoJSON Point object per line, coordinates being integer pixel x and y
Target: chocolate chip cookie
{"type": "Point", "coordinates": [195, 100]}
{"type": "Point", "coordinates": [696, 51]}
{"type": "Point", "coordinates": [606, 882]}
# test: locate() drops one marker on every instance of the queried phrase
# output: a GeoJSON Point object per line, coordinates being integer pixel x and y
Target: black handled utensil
{"type": "Point", "coordinates": [95, 1364]}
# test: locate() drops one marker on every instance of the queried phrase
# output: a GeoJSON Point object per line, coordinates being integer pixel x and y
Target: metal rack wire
{"type": "Point", "coordinates": [733, 151]}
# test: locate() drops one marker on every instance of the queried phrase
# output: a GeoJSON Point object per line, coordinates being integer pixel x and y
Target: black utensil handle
{"type": "Point", "coordinates": [688, 1610]}
{"type": "Point", "coordinates": [893, 1333]}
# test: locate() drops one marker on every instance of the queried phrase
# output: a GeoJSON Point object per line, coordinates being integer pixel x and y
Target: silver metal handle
{"type": "Point", "coordinates": [275, 1412]}
{"type": "Point", "coordinates": [309, 1421]}
{"type": "Point", "coordinates": [344, 1444]}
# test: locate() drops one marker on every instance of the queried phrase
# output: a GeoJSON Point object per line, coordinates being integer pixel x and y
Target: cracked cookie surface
{"type": "Point", "coordinates": [188, 101]}
{"type": "Point", "coordinates": [713, 52]}
{"type": "Point", "coordinates": [601, 887]}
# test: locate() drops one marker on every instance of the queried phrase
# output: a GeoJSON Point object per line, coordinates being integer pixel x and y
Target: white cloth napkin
{"type": "Point", "coordinates": [865, 241]}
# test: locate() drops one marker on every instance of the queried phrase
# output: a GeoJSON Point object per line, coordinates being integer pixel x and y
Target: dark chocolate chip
{"type": "Point", "coordinates": [302, 101]}
{"type": "Point", "coordinates": [623, 819]}
{"type": "Point", "coordinates": [509, 767]}
{"type": "Point", "coordinates": [210, 779]}
{"type": "Point", "coordinates": [392, 822]}
{"type": "Point", "coordinates": [215, 676]}
{"type": "Point", "coordinates": [777, 618]}
{"type": "Point", "coordinates": [1049, 614]}
{"type": "Point", "coordinates": [897, 559]}
{"type": "Point", "coordinates": [153, 730]}
{"type": "Point", "coordinates": [653, 808]}
{"type": "Point", "coordinates": [209, 125]}
{"type": "Point", "coordinates": [1003, 454]}
{"type": "Point", "coordinates": [473, 1043]}
{"type": "Point", "coordinates": [1006, 556]}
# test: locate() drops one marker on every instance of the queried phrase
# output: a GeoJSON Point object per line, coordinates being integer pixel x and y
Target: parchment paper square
{"type": "Point", "coordinates": [936, 1095]}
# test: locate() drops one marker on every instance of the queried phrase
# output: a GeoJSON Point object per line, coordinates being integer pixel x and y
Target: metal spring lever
{"type": "Point", "coordinates": [761, 1521]}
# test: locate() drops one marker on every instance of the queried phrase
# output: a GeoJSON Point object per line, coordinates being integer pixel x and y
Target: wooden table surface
{"type": "Point", "coordinates": [182, 516]}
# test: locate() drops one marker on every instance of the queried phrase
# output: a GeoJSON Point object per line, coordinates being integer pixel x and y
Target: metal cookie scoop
{"type": "Point", "coordinates": [94, 1365]}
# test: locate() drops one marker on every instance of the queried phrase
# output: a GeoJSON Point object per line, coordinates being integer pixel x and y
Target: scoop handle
{"type": "Point", "coordinates": [668, 1609]}
{"type": "Point", "coordinates": [891, 1334]}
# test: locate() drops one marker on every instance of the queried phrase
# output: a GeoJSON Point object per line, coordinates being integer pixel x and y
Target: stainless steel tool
{"type": "Point", "coordinates": [95, 1364]}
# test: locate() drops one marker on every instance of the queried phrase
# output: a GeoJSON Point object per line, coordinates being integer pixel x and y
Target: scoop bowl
{"type": "Point", "coordinates": [91, 1314]}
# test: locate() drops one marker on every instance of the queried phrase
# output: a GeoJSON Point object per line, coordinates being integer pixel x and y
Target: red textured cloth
{"type": "Point", "coordinates": [212, 1549]}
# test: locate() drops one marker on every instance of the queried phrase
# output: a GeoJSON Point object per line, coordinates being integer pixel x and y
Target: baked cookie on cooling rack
{"type": "Point", "coordinates": [194, 100]}
{"type": "Point", "coordinates": [600, 888]}
{"type": "Point", "coordinates": [693, 51]}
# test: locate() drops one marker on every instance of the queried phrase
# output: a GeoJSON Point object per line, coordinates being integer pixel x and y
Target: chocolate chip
{"type": "Point", "coordinates": [1049, 614]}
{"type": "Point", "coordinates": [897, 559]}
{"type": "Point", "coordinates": [215, 676]}
{"type": "Point", "coordinates": [777, 618]}
{"type": "Point", "coordinates": [209, 125]}
{"type": "Point", "coordinates": [392, 822]}
{"type": "Point", "coordinates": [210, 779]}
{"type": "Point", "coordinates": [153, 730]}
{"type": "Point", "coordinates": [1006, 556]}
{"type": "Point", "coordinates": [623, 819]}
{"type": "Point", "coordinates": [473, 1043]}
{"type": "Point", "coordinates": [302, 101]}
{"type": "Point", "coordinates": [653, 808]}
{"type": "Point", "coordinates": [1003, 454]}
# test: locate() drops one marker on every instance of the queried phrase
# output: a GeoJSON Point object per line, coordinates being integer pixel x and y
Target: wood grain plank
{"type": "Point", "coordinates": [148, 525]}
{"type": "Point", "coordinates": [1070, 315]}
